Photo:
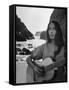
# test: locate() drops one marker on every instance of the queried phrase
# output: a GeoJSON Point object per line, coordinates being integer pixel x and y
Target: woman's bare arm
{"type": "Point", "coordinates": [60, 61]}
{"type": "Point", "coordinates": [55, 65]}
{"type": "Point", "coordinates": [29, 62]}
{"type": "Point", "coordinates": [33, 65]}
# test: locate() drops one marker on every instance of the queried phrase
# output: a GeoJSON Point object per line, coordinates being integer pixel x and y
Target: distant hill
{"type": "Point", "coordinates": [22, 33]}
{"type": "Point", "coordinates": [43, 35]}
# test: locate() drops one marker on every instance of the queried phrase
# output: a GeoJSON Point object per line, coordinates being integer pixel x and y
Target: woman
{"type": "Point", "coordinates": [54, 49]}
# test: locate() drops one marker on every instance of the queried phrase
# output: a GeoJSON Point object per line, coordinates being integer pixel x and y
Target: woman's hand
{"type": "Point", "coordinates": [39, 70]}
{"type": "Point", "coordinates": [36, 69]}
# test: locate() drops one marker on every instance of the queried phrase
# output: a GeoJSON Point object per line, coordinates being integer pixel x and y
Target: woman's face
{"type": "Point", "coordinates": [52, 31]}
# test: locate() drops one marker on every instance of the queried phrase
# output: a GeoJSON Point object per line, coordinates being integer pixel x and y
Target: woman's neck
{"type": "Point", "coordinates": [53, 42]}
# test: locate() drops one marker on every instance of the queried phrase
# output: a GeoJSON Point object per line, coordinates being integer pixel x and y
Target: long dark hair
{"type": "Point", "coordinates": [59, 42]}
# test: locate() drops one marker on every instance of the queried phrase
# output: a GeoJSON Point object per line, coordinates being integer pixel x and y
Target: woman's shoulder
{"type": "Point", "coordinates": [44, 45]}
{"type": "Point", "coordinates": [39, 48]}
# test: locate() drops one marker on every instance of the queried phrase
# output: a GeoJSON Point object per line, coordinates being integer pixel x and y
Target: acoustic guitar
{"type": "Point", "coordinates": [46, 75]}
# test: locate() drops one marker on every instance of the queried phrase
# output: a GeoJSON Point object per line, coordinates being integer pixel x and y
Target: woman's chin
{"type": "Point", "coordinates": [52, 38]}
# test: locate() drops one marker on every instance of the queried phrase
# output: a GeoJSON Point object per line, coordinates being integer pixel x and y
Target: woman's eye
{"type": "Point", "coordinates": [50, 29]}
{"type": "Point", "coordinates": [54, 28]}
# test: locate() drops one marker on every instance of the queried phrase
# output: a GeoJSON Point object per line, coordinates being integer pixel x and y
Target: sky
{"type": "Point", "coordinates": [35, 19]}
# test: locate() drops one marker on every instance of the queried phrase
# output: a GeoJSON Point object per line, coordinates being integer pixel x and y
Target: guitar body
{"type": "Point", "coordinates": [46, 76]}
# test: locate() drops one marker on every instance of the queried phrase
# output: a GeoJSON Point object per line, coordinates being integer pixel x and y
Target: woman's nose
{"type": "Point", "coordinates": [51, 32]}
